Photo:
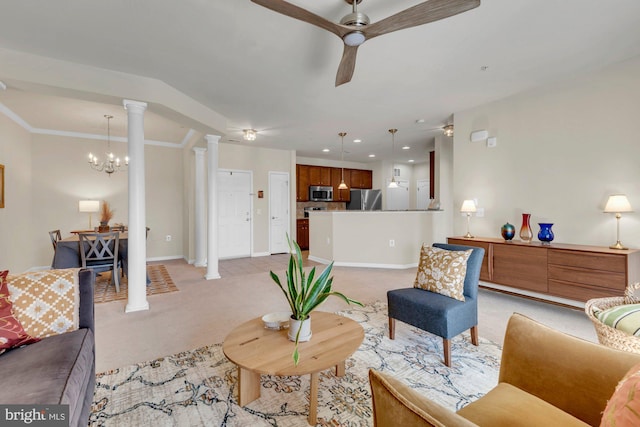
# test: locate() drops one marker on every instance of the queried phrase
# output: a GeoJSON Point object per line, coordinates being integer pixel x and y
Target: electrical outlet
{"type": "Point", "coordinates": [168, 238]}
{"type": "Point", "coordinates": [392, 243]}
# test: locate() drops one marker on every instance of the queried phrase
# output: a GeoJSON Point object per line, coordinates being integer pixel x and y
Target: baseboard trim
{"type": "Point", "coordinates": [363, 264]}
{"type": "Point", "coordinates": [164, 258]}
{"type": "Point", "coordinates": [549, 299]}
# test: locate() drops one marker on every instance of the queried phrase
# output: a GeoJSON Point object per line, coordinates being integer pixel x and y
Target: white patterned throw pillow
{"type": "Point", "coordinates": [442, 271]}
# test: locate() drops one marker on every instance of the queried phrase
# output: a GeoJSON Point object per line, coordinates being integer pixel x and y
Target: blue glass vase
{"type": "Point", "coordinates": [545, 235]}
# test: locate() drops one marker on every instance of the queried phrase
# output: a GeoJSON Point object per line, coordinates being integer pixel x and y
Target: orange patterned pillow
{"type": "Point", "coordinates": [623, 409]}
{"type": "Point", "coordinates": [46, 302]}
{"type": "Point", "coordinates": [442, 271]}
{"type": "Point", "coordinates": [11, 332]}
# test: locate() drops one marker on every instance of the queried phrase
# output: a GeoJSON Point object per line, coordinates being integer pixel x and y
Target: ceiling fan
{"type": "Point", "coordinates": [354, 28]}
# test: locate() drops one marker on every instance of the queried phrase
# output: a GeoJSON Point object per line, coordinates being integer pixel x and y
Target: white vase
{"type": "Point", "coordinates": [303, 325]}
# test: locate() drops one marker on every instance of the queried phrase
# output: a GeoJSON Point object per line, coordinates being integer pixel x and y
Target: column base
{"type": "Point", "coordinates": [212, 276]}
{"type": "Point", "coordinates": [131, 308]}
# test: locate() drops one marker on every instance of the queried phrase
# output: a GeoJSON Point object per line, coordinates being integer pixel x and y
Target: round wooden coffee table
{"type": "Point", "coordinates": [257, 350]}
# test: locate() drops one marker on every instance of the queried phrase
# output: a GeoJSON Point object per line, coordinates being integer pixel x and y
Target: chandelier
{"type": "Point", "coordinates": [111, 164]}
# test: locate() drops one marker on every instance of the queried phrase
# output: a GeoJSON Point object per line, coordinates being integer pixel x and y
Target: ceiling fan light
{"type": "Point", "coordinates": [354, 38]}
{"type": "Point", "coordinates": [249, 134]}
{"type": "Point", "coordinates": [448, 130]}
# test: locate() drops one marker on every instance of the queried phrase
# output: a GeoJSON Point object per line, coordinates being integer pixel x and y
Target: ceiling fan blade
{"type": "Point", "coordinates": [304, 15]}
{"type": "Point", "coordinates": [423, 13]}
{"type": "Point", "coordinates": [347, 65]}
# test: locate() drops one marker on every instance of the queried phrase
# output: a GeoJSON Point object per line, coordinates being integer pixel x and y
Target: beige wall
{"type": "Point", "coordinates": [16, 218]}
{"type": "Point", "coordinates": [260, 161]}
{"type": "Point", "coordinates": [561, 151]}
{"type": "Point", "coordinates": [56, 175]}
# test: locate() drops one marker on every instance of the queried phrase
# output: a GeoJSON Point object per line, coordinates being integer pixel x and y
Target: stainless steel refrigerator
{"type": "Point", "coordinates": [365, 200]}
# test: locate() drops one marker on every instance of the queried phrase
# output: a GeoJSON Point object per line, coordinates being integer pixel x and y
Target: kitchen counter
{"type": "Point", "coordinates": [383, 239]}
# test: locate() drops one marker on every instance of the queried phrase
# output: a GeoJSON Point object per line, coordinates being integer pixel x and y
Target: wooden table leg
{"type": "Point", "coordinates": [313, 400]}
{"type": "Point", "coordinates": [340, 369]}
{"type": "Point", "coordinates": [248, 386]}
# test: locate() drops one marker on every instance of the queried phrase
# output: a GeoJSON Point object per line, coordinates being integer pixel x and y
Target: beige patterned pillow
{"type": "Point", "coordinates": [442, 271]}
{"type": "Point", "coordinates": [46, 302]}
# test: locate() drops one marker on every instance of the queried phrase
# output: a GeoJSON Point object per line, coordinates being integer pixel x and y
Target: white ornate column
{"type": "Point", "coordinates": [137, 249]}
{"type": "Point", "coordinates": [212, 211]}
{"type": "Point", "coordinates": [200, 197]}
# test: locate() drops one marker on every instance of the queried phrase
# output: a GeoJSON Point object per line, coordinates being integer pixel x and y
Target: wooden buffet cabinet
{"type": "Point", "coordinates": [573, 272]}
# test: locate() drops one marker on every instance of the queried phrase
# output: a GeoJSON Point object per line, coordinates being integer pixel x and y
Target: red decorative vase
{"type": "Point", "coordinates": [526, 235]}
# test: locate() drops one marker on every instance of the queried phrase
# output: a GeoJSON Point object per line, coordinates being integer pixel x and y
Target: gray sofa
{"type": "Point", "coordinates": [59, 369]}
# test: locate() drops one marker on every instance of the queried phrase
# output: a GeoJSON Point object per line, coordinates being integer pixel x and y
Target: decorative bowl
{"type": "Point", "coordinates": [278, 320]}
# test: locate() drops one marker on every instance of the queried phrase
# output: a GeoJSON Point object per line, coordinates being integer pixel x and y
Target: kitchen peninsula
{"type": "Point", "coordinates": [379, 239]}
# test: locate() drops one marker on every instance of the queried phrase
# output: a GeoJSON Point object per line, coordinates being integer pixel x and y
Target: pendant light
{"type": "Point", "coordinates": [342, 185]}
{"type": "Point", "coordinates": [392, 183]}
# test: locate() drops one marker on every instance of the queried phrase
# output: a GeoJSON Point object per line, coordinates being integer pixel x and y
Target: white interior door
{"type": "Point", "coordinates": [234, 214]}
{"type": "Point", "coordinates": [398, 198]}
{"type": "Point", "coordinates": [279, 218]}
{"type": "Point", "coordinates": [422, 194]}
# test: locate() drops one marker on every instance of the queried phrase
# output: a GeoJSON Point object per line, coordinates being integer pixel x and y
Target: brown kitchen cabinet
{"type": "Point", "coordinates": [302, 183]}
{"type": "Point", "coordinates": [361, 179]}
{"type": "Point", "coordinates": [319, 175]}
{"type": "Point", "coordinates": [574, 272]}
{"type": "Point", "coordinates": [336, 178]}
{"type": "Point", "coordinates": [302, 233]}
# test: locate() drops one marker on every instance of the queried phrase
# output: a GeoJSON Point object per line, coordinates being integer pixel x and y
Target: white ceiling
{"type": "Point", "coordinates": [270, 72]}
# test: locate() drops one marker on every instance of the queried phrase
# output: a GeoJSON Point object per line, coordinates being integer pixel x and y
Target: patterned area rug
{"type": "Point", "coordinates": [198, 387]}
{"type": "Point", "coordinates": [160, 283]}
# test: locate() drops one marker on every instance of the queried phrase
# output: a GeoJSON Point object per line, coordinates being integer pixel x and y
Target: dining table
{"type": "Point", "coordinates": [67, 253]}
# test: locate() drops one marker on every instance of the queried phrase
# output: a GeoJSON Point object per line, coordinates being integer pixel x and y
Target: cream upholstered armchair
{"type": "Point", "coordinates": [547, 378]}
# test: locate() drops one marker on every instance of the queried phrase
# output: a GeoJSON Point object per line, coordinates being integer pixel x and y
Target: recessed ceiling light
{"type": "Point", "coordinates": [411, 160]}
{"type": "Point", "coordinates": [372, 155]}
{"type": "Point", "coordinates": [357, 141]}
{"type": "Point", "coordinates": [419, 121]}
{"type": "Point", "coordinates": [325, 150]}
{"type": "Point", "coordinates": [406, 147]}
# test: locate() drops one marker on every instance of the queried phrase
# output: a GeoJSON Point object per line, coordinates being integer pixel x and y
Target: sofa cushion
{"type": "Point", "coordinates": [46, 302]}
{"type": "Point", "coordinates": [57, 370]}
{"type": "Point", "coordinates": [506, 406]}
{"type": "Point", "coordinates": [623, 409]}
{"type": "Point", "coordinates": [625, 317]}
{"type": "Point", "coordinates": [12, 333]}
{"type": "Point", "coordinates": [442, 271]}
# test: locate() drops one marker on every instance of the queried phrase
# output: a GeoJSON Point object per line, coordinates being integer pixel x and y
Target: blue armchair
{"type": "Point", "coordinates": [439, 314]}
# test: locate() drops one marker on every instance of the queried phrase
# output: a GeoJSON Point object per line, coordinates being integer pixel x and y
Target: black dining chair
{"type": "Point", "coordinates": [99, 252]}
{"type": "Point", "coordinates": [55, 236]}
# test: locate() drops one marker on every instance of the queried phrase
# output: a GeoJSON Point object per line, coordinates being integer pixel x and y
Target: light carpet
{"type": "Point", "coordinates": [161, 283]}
{"type": "Point", "coordinates": [199, 387]}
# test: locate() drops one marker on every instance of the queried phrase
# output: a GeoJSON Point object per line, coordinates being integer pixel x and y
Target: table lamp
{"type": "Point", "coordinates": [468, 207]}
{"type": "Point", "coordinates": [617, 203]}
{"type": "Point", "coordinates": [89, 206]}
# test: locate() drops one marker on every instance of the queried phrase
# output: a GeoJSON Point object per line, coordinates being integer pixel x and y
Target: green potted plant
{"type": "Point", "coordinates": [304, 294]}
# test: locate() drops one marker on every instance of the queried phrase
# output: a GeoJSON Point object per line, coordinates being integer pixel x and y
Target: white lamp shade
{"type": "Point", "coordinates": [88, 206]}
{"type": "Point", "coordinates": [618, 203]}
{"type": "Point", "coordinates": [468, 206]}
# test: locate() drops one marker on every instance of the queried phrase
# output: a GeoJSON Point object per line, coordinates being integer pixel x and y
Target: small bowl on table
{"type": "Point", "coordinates": [277, 321]}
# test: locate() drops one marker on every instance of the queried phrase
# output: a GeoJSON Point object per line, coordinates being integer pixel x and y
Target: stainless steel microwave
{"type": "Point", "coordinates": [320, 194]}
